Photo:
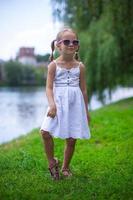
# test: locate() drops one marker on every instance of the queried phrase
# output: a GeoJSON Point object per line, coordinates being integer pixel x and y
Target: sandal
{"type": "Point", "coordinates": [66, 172]}
{"type": "Point", "coordinates": [54, 170]}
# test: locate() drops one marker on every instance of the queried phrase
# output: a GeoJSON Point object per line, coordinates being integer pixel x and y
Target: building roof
{"type": "Point", "coordinates": [26, 52]}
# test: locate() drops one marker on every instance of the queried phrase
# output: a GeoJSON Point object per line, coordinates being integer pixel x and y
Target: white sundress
{"type": "Point", "coordinates": [71, 119]}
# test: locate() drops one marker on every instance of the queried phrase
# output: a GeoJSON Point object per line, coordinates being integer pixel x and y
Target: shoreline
{"type": "Point", "coordinates": [37, 128]}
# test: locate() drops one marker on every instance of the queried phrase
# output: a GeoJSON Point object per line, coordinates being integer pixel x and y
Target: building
{"type": "Point", "coordinates": [27, 56]}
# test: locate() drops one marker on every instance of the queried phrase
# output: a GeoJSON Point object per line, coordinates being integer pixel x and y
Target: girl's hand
{"type": "Point", "coordinates": [52, 111]}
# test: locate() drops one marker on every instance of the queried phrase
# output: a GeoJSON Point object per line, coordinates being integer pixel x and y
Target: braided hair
{"type": "Point", "coordinates": [51, 58]}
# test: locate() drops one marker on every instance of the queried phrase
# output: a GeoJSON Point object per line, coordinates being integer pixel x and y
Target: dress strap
{"type": "Point", "coordinates": [56, 66]}
{"type": "Point", "coordinates": [80, 63]}
{"type": "Point", "coordinates": [55, 62]}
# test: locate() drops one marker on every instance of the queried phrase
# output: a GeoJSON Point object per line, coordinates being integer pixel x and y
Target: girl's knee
{"type": "Point", "coordinates": [45, 134]}
{"type": "Point", "coordinates": [71, 142]}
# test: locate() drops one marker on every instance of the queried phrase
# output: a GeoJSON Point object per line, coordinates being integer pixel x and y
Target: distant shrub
{"type": "Point", "coordinates": [19, 75]}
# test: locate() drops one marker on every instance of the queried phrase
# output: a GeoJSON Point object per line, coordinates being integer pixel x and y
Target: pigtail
{"type": "Point", "coordinates": [77, 55]}
{"type": "Point", "coordinates": [51, 58]}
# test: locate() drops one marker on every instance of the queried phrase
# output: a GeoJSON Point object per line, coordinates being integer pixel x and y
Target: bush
{"type": "Point", "coordinates": [22, 75]}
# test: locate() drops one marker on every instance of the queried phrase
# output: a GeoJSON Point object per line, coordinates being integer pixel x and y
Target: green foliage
{"type": "Point", "coordinates": [101, 57]}
{"type": "Point", "coordinates": [14, 73]}
{"type": "Point", "coordinates": [43, 58]}
{"type": "Point", "coordinates": [105, 29]}
{"type": "Point", "coordinates": [40, 76]}
{"type": "Point", "coordinates": [20, 75]}
{"type": "Point", "coordinates": [102, 166]}
{"type": "Point", "coordinates": [78, 14]}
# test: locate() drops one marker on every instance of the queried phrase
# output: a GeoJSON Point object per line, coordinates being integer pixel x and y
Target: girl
{"type": "Point", "coordinates": [67, 114]}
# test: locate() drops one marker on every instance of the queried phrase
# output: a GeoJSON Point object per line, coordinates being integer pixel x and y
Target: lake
{"type": "Point", "coordinates": [22, 109]}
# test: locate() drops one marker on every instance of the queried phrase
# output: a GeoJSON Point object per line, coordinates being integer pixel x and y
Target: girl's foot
{"type": "Point", "coordinates": [66, 172]}
{"type": "Point", "coordinates": [54, 170]}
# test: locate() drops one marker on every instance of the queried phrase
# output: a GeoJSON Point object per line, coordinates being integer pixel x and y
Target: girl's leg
{"type": "Point", "coordinates": [49, 146]}
{"type": "Point", "coordinates": [68, 152]}
{"type": "Point", "coordinates": [49, 149]}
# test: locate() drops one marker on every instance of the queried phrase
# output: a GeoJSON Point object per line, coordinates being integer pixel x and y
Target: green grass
{"type": "Point", "coordinates": [102, 166]}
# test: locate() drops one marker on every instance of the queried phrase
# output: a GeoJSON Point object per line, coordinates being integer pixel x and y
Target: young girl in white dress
{"type": "Point", "coordinates": [67, 115]}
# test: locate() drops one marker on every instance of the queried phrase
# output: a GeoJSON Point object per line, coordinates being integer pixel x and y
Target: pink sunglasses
{"type": "Point", "coordinates": [68, 42]}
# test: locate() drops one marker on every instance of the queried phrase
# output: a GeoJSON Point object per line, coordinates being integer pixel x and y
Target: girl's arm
{"type": "Point", "coordinates": [49, 89]}
{"type": "Point", "coordinates": [83, 88]}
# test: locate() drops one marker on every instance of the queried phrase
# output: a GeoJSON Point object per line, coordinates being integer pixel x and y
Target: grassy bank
{"type": "Point", "coordinates": [102, 166]}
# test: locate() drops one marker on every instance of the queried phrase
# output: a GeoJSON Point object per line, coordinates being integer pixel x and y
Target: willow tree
{"type": "Point", "coordinates": [105, 29]}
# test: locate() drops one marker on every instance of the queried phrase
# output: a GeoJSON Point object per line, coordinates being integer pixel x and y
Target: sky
{"type": "Point", "coordinates": [26, 23]}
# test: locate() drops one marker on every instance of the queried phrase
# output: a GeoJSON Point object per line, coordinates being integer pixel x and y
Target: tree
{"type": "Point", "coordinates": [43, 58]}
{"type": "Point", "coordinates": [105, 30]}
{"type": "Point", "coordinates": [20, 75]}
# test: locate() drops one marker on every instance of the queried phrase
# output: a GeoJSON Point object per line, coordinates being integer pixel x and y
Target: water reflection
{"type": "Point", "coordinates": [21, 109]}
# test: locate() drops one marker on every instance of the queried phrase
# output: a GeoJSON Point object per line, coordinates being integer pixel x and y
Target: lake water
{"type": "Point", "coordinates": [22, 109]}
